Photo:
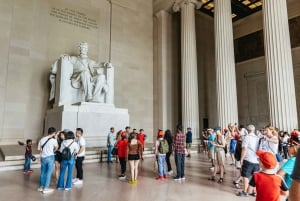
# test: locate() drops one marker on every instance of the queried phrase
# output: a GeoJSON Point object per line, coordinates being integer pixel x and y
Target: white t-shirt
{"type": "Point", "coordinates": [250, 142]}
{"type": "Point", "coordinates": [49, 147]}
{"type": "Point", "coordinates": [269, 146]}
{"type": "Point", "coordinates": [74, 147]}
{"type": "Point", "coordinates": [81, 142]}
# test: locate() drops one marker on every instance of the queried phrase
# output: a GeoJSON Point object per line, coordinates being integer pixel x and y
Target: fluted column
{"type": "Point", "coordinates": [279, 67]}
{"type": "Point", "coordinates": [189, 76]}
{"type": "Point", "coordinates": [225, 65]}
{"type": "Point", "coordinates": [164, 69]}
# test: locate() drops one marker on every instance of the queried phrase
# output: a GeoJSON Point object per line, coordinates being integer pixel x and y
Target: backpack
{"type": "Point", "coordinates": [66, 153]}
{"type": "Point", "coordinates": [163, 147]}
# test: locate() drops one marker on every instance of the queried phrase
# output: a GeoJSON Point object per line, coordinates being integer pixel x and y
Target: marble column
{"type": "Point", "coordinates": [279, 66]}
{"type": "Point", "coordinates": [164, 69]}
{"type": "Point", "coordinates": [225, 64]}
{"type": "Point", "coordinates": [189, 75]}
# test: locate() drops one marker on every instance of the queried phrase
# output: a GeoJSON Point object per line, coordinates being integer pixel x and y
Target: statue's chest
{"type": "Point", "coordinates": [81, 64]}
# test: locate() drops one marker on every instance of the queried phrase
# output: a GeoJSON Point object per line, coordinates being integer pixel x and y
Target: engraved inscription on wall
{"type": "Point", "coordinates": [74, 17]}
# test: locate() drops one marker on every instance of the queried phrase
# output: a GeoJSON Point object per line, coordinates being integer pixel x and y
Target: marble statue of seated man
{"type": "Point", "coordinates": [86, 75]}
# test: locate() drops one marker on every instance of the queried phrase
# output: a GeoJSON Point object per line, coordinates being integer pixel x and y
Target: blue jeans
{"type": "Point", "coordinates": [162, 169]}
{"type": "Point", "coordinates": [27, 163]}
{"type": "Point", "coordinates": [179, 161]}
{"type": "Point", "coordinates": [109, 149]}
{"type": "Point", "coordinates": [64, 165]}
{"type": "Point", "coordinates": [46, 171]}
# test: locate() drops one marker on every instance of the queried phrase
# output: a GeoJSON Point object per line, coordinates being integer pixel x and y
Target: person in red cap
{"type": "Point", "coordinates": [269, 185]}
{"type": "Point", "coordinates": [161, 149]}
{"type": "Point", "coordinates": [122, 149]}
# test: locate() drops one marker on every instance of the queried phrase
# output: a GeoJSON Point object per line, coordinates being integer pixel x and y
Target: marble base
{"type": "Point", "coordinates": [94, 118]}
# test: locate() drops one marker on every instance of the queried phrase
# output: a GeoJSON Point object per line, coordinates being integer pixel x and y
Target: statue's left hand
{"type": "Point", "coordinates": [108, 65]}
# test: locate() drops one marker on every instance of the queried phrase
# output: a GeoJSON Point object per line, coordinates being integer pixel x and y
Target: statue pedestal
{"type": "Point", "coordinates": [94, 118]}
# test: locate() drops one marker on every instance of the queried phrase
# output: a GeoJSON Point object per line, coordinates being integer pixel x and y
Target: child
{"type": "Point", "coordinates": [161, 149]}
{"type": "Point", "coordinates": [28, 155]}
{"type": "Point", "coordinates": [269, 185]}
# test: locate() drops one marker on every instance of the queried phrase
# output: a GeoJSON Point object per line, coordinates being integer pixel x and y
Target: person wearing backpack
{"type": "Point", "coordinates": [161, 149]}
{"type": "Point", "coordinates": [68, 150]}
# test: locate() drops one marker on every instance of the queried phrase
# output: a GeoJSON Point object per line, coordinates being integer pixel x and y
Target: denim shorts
{"type": "Point", "coordinates": [249, 168]}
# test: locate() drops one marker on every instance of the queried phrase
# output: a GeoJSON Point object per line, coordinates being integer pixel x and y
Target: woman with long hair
{"type": "Point", "coordinates": [134, 153]}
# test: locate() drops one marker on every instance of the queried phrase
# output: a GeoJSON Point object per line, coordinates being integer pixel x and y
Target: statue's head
{"type": "Point", "coordinates": [83, 47]}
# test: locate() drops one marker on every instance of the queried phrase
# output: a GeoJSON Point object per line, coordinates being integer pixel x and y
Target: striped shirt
{"type": "Point", "coordinates": [179, 143]}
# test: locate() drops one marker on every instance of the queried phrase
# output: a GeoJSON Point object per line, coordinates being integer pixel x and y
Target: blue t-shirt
{"type": "Point", "coordinates": [288, 168]}
{"type": "Point", "coordinates": [211, 138]}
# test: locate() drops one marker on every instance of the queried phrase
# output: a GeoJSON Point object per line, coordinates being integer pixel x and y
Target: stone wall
{"type": "Point", "coordinates": [35, 33]}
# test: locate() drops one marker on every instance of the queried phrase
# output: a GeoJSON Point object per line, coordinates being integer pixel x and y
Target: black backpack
{"type": "Point", "coordinates": [66, 153]}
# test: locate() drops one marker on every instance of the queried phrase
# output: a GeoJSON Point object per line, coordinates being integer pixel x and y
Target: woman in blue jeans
{"type": "Point", "coordinates": [74, 148]}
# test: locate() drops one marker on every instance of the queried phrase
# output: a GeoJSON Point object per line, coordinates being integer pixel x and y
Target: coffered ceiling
{"type": "Point", "coordinates": [240, 8]}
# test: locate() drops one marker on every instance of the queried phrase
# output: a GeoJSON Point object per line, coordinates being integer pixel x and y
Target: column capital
{"type": "Point", "coordinates": [161, 13]}
{"type": "Point", "coordinates": [180, 3]}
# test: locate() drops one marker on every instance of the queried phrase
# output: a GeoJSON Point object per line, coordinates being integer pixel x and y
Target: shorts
{"type": "Point", "coordinates": [212, 154]}
{"type": "Point", "coordinates": [57, 156]}
{"type": "Point", "coordinates": [220, 156]}
{"type": "Point", "coordinates": [188, 145]}
{"type": "Point", "coordinates": [133, 157]}
{"type": "Point", "coordinates": [249, 168]}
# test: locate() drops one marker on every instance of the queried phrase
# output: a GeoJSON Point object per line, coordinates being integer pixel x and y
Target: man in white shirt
{"type": "Point", "coordinates": [249, 160]}
{"type": "Point", "coordinates": [80, 156]}
{"type": "Point", "coordinates": [47, 145]}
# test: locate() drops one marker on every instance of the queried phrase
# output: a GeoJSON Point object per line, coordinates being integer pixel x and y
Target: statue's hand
{"type": "Point", "coordinates": [108, 65]}
{"type": "Point", "coordinates": [64, 55]}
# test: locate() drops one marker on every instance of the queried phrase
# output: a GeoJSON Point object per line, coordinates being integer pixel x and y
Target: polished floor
{"type": "Point", "coordinates": [101, 183]}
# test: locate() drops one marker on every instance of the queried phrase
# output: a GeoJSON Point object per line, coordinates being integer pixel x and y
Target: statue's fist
{"type": "Point", "coordinates": [108, 65]}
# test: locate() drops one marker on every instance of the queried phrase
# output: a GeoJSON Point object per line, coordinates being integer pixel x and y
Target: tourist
{"type": "Point", "coordinates": [179, 153]}
{"type": "Point", "coordinates": [168, 136]}
{"type": "Point", "coordinates": [219, 143]}
{"type": "Point", "coordinates": [249, 161]}
{"type": "Point", "coordinates": [67, 162]}
{"type": "Point", "coordinates": [80, 157]}
{"type": "Point", "coordinates": [142, 137]}
{"type": "Point", "coordinates": [134, 152]}
{"type": "Point", "coordinates": [28, 156]}
{"type": "Point", "coordinates": [110, 144]}
{"type": "Point", "coordinates": [46, 146]}
{"type": "Point", "coordinates": [122, 153]}
{"type": "Point", "coordinates": [60, 138]}
{"type": "Point", "coordinates": [161, 149]}
{"type": "Point", "coordinates": [269, 186]}
{"type": "Point", "coordinates": [188, 141]}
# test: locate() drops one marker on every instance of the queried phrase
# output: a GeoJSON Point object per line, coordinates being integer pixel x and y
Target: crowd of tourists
{"type": "Point", "coordinates": [265, 159]}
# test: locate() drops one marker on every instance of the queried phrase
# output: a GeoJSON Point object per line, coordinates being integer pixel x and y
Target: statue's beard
{"type": "Point", "coordinates": [83, 55]}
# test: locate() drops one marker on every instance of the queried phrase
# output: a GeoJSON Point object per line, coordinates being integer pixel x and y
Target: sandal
{"type": "Point", "coordinates": [236, 185]}
{"type": "Point", "coordinates": [212, 178]}
{"type": "Point", "coordinates": [220, 181]}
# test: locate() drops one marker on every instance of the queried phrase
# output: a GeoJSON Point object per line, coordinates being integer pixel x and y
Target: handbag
{"type": "Point", "coordinates": [114, 151]}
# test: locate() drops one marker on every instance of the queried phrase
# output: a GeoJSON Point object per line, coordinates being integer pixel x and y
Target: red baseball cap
{"type": "Point", "coordinates": [123, 133]}
{"type": "Point", "coordinates": [160, 133]}
{"type": "Point", "coordinates": [268, 159]}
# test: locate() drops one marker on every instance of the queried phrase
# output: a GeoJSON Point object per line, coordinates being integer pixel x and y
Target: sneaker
{"type": "Point", "coordinates": [60, 189]}
{"type": "Point", "coordinates": [40, 189]}
{"type": "Point", "coordinates": [253, 194]}
{"type": "Point", "coordinates": [30, 171]}
{"type": "Point", "coordinates": [67, 189]}
{"type": "Point", "coordinates": [74, 180]}
{"type": "Point", "coordinates": [165, 176]}
{"type": "Point", "coordinates": [135, 181]}
{"type": "Point", "coordinates": [242, 194]}
{"type": "Point", "coordinates": [48, 190]}
{"type": "Point", "coordinates": [78, 182]}
{"type": "Point", "coordinates": [122, 176]}
{"type": "Point", "coordinates": [170, 172]}
{"type": "Point", "coordinates": [182, 178]}
{"type": "Point", "coordinates": [177, 178]}
{"type": "Point", "coordinates": [131, 181]}
{"type": "Point", "coordinates": [159, 178]}
{"type": "Point", "coordinates": [25, 172]}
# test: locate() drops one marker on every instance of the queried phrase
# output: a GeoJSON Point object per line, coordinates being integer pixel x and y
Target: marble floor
{"type": "Point", "coordinates": [101, 183]}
